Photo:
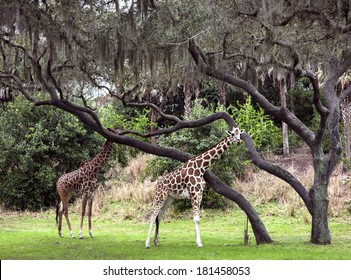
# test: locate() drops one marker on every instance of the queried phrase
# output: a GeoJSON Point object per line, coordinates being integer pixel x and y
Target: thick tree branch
{"type": "Point", "coordinates": [179, 124]}
{"type": "Point", "coordinates": [316, 14]}
{"type": "Point", "coordinates": [277, 171]}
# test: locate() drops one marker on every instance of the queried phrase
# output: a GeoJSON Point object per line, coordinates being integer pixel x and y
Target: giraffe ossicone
{"type": "Point", "coordinates": [187, 182]}
{"type": "Point", "coordinates": [81, 182]}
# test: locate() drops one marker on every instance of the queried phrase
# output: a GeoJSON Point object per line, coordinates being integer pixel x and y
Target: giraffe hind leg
{"type": "Point", "coordinates": [59, 212]}
{"type": "Point", "coordinates": [158, 203]}
{"type": "Point", "coordinates": [65, 212]}
{"type": "Point", "coordinates": [160, 215]}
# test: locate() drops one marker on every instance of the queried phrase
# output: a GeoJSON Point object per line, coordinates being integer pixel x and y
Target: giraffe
{"type": "Point", "coordinates": [80, 182]}
{"type": "Point", "coordinates": [187, 182]}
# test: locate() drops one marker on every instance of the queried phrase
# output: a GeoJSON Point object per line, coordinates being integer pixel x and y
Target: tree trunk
{"type": "Point", "coordinates": [320, 230]}
{"type": "Point", "coordinates": [187, 99]}
{"type": "Point", "coordinates": [222, 93]}
{"type": "Point", "coordinates": [345, 109]}
{"type": "Point", "coordinates": [319, 198]}
{"type": "Point", "coordinates": [282, 91]}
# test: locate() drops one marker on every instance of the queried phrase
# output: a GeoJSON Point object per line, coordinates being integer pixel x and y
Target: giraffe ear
{"type": "Point", "coordinates": [228, 132]}
{"type": "Point", "coordinates": [242, 131]}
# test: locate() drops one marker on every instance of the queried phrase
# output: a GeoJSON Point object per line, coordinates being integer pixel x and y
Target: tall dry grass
{"type": "Point", "coordinates": [126, 196]}
{"type": "Point", "coordinates": [262, 188]}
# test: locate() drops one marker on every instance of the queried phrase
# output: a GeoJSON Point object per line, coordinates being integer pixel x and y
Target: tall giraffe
{"type": "Point", "coordinates": [80, 182]}
{"type": "Point", "coordinates": [187, 182]}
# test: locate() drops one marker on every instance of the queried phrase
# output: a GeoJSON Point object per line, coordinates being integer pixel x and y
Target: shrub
{"type": "Point", "coordinates": [258, 125]}
{"type": "Point", "coordinates": [38, 145]}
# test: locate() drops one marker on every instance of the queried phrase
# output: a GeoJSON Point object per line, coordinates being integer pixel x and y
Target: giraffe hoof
{"type": "Point", "coordinates": [81, 237]}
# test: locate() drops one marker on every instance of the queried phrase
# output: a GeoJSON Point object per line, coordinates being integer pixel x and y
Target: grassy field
{"type": "Point", "coordinates": [31, 236]}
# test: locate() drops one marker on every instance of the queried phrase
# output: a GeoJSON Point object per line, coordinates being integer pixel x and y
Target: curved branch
{"type": "Point", "coordinates": [179, 124]}
{"type": "Point", "coordinates": [277, 171]}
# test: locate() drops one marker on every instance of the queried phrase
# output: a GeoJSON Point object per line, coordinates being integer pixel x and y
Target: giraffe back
{"type": "Point", "coordinates": [76, 182]}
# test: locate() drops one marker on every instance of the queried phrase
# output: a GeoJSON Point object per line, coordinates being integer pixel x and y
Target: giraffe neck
{"type": "Point", "coordinates": [205, 159]}
{"type": "Point", "coordinates": [95, 164]}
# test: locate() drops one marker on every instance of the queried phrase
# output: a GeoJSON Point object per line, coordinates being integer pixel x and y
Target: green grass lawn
{"type": "Point", "coordinates": [34, 236]}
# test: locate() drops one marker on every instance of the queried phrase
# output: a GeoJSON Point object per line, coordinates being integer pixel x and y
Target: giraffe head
{"type": "Point", "coordinates": [234, 134]}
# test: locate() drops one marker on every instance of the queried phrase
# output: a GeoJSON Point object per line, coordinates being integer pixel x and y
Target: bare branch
{"type": "Point", "coordinates": [318, 14]}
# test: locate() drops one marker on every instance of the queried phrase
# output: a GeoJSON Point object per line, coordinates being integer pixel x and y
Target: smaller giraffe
{"type": "Point", "coordinates": [81, 182]}
{"type": "Point", "coordinates": [187, 182]}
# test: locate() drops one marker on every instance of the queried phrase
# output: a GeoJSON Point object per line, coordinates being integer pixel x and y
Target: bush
{"type": "Point", "coordinates": [258, 125]}
{"type": "Point", "coordinates": [38, 145]}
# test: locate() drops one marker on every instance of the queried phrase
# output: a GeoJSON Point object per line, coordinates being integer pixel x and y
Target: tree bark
{"type": "Point", "coordinates": [222, 93]}
{"type": "Point", "coordinates": [187, 99]}
{"type": "Point", "coordinates": [282, 91]}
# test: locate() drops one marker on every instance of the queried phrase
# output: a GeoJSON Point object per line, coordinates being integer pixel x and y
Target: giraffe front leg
{"type": "Point", "coordinates": [147, 242]}
{"type": "Point", "coordinates": [90, 206]}
{"type": "Point", "coordinates": [197, 231]}
{"type": "Point", "coordinates": [196, 202]}
{"type": "Point", "coordinates": [84, 204]}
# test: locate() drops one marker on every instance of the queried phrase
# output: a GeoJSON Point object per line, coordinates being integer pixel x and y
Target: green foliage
{"type": "Point", "coordinates": [258, 125]}
{"type": "Point", "coordinates": [114, 115]}
{"type": "Point", "coordinates": [39, 144]}
{"type": "Point", "coordinates": [299, 100]}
